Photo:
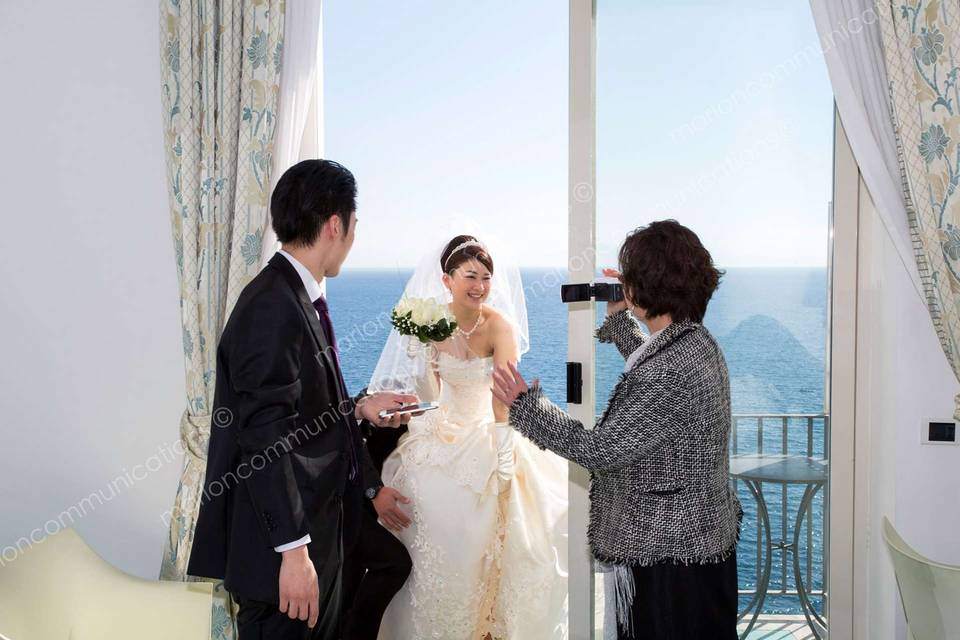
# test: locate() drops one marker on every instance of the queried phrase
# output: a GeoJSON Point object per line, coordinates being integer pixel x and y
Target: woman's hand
{"type": "Point", "coordinates": [508, 384]}
{"type": "Point", "coordinates": [614, 307]}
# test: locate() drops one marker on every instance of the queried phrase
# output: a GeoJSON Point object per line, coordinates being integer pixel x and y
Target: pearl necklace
{"type": "Point", "coordinates": [467, 334]}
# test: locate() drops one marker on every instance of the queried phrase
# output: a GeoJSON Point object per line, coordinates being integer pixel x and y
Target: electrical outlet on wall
{"type": "Point", "coordinates": [938, 432]}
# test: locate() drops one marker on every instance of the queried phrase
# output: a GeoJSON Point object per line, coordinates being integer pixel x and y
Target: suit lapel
{"type": "Point", "coordinates": [667, 337]}
{"type": "Point", "coordinates": [310, 314]}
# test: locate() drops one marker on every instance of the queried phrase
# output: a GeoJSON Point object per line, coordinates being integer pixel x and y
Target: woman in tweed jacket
{"type": "Point", "coordinates": [662, 510]}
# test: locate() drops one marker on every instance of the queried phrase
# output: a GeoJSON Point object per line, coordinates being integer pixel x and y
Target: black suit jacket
{"type": "Point", "coordinates": [279, 453]}
{"type": "Point", "coordinates": [381, 442]}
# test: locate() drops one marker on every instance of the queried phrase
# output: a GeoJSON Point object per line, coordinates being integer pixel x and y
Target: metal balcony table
{"type": "Point", "coordinates": [756, 469]}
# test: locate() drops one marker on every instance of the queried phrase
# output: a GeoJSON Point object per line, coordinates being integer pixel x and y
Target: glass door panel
{"type": "Point", "coordinates": [720, 115]}
{"type": "Point", "coordinates": [453, 118]}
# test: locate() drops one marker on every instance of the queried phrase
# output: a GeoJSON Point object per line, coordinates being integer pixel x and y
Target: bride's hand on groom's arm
{"type": "Point", "coordinates": [387, 503]}
{"type": "Point", "coordinates": [369, 408]}
{"type": "Point", "coordinates": [299, 590]}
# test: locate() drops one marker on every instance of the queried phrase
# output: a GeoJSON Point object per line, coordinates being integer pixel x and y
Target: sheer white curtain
{"type": "Point", "coordinates": [299, 129]}
{"type": "Point", "coordinates": [850, 38]}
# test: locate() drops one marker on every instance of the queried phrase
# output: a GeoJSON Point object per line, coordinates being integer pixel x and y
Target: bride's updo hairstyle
{"type": "Point", "coordinates": [452, 257]}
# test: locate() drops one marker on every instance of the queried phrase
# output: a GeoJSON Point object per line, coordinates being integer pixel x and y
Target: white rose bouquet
{"type": "Point", "coordinates": [423, 318]}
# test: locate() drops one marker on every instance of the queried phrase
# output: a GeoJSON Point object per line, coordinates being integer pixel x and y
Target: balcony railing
{"type": "Point", "coordinates": [786, 434]}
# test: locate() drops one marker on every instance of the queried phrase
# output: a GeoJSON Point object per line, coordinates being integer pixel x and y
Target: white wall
{"type": "Point", "coordinates": [903, 380]}
{"type": "Point", "coordinates": [91, 373]}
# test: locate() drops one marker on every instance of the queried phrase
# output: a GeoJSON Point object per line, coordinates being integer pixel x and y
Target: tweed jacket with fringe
{"type": "Point", "coordinates": [657, 456]}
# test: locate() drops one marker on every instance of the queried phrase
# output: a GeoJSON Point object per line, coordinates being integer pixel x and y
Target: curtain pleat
{"type": "Point", "coordinates": [921, 43]}
{"type": "Point", "coordinates": [220, 70]}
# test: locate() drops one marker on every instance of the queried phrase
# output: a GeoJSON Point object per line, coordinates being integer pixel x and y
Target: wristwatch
{"type": "Point", "coordinates": [372, 492]}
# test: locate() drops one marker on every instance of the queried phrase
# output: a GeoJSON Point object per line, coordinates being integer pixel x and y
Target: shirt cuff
{"type": "Point", "coordinates": [293, 545]}
{"type": "Point", "coordinates": [356, 402]}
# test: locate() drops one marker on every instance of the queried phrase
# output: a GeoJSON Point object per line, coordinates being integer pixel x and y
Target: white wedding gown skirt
{"type": "Point", "coordinates": [488, 560]}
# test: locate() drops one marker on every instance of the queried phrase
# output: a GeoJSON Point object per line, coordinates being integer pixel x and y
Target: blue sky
{"type": "Point", "coordinates": [453, 114]}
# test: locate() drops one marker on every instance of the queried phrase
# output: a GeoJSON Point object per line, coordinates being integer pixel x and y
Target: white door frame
{"type": "Point", "coordinates": [841, 521]}
{"type": "Point", "coordinates": [581, 263]}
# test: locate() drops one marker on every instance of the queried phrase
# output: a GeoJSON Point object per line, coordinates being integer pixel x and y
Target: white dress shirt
{"type": "Point", "coordinates": [632, 359]}
{"type": "Point", "coordinates": [313, 291]}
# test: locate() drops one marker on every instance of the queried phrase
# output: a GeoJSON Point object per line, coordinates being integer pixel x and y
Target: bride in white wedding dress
{"type": "Point", "coordinates": [488, 508]}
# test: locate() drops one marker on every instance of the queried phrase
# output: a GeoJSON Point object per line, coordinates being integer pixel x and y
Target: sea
{"type": "Point", "coordinates": [771, 324]}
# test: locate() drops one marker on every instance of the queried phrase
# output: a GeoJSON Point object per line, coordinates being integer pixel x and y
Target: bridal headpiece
{"type": "Point", "coordinates": [461, 247]}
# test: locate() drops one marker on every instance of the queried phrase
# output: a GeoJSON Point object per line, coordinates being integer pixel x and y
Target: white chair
{"type": "Point", "coordinates": [60, 589]}
{"type": "Point", "coordinates": [930, 591]}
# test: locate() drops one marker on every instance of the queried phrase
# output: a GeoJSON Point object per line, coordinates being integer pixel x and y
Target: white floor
{"type": "Point", "coordinates": [780, 627]}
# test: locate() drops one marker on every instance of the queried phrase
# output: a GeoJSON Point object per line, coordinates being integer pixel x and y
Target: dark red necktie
{"type": "Point", "coordinates": [320, 304]}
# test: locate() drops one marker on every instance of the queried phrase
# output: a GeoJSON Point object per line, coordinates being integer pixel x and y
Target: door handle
{"type": "Point", "coordinates": [574, 382]}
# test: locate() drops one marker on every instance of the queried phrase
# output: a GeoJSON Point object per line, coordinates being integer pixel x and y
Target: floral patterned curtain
{"type": "Point", "coordinates": [220, 70]}
{"type": "Point", "coordinates": [921, 42]}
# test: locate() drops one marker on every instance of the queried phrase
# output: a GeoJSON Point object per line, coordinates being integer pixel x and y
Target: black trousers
{"type": "Point", "coordinates": [263, 621]}
{"type": "Point", "coordinates": [375, 567]}
{"type": "Point", "coordinates": [685, 602]}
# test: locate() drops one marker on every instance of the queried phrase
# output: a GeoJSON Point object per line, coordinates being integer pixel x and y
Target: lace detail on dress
{"type": "Point", "coordinates": [443, 604]}
{"type": "Point", "coordinates": [459, 435]}
{"type": "Point", "coordinates": [474, 574]}
{"type": "Point", "coordinates": [465, 393]}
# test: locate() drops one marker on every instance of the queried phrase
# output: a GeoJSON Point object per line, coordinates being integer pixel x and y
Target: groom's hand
{"type": "Point", "coordinates": [387, 504]}
{"type": "Point", "coordinates": [369, 408]}
{"type": "Point", "coordinates": [299, 591]}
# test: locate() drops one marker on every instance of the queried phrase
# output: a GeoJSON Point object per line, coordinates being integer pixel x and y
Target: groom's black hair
{"type": "Point", "coordinates": [305, 197]}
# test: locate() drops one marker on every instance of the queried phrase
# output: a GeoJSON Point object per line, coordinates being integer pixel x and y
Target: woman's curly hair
{"type": "Point", "coordinates": [666, 270]}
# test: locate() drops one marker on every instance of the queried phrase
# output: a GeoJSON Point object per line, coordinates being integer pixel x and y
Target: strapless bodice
{"type": "Point", "coordinates": [465, 393]}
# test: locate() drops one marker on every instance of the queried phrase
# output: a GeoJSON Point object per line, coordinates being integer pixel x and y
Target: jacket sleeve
{"type": "Point", "coordinates": [641, 420]}
{"type": "Point", "coordinates": [264, 363]}
{"type": "Point", "coordinates": [623, 330]}
{"type": "Point", "coordinates": [370, 476]}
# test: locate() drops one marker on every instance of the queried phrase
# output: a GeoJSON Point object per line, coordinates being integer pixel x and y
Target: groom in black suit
{"type": "Point", "coordinates": [291, 497]}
